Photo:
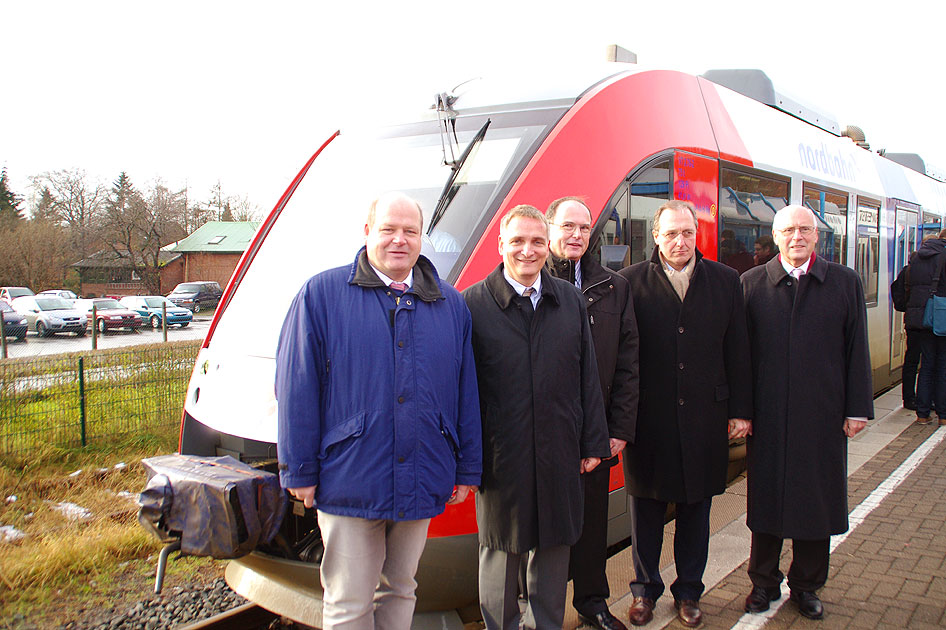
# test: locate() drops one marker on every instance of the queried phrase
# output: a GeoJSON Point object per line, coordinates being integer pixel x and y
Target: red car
{"type": "Point", "coordinates": [109, 314]}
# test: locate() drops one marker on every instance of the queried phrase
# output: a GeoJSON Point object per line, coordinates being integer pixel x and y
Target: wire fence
{"type": "Point", "coordinates": [84, 397]}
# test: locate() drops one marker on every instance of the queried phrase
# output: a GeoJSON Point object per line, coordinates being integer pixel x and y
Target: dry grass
{"type": "Point", "coordinates": [74, 562]}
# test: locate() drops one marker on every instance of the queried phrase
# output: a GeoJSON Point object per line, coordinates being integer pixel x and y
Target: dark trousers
{"type": "Point", "coordinates": [931, 384]}
{"type": "Point", "coordinates": [911, 360]}
{"type": "Point", "coordinates": [588, 559]}
{"type": "Point", "coordinates": [809, 570]}
{"type": "Point", "coordinates": [690, 547]}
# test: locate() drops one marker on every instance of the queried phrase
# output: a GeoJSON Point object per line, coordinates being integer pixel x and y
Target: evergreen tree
{"type": "Point", "coordinates": [9, 203]}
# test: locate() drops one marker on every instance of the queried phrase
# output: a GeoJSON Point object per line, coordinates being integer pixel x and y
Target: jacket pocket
{"type": "Point", "coordinates": [722, 392]}
{"type": "Point", "coordinates": [351, 428]}
{"type": "Point", "coordinates": [449, 433]}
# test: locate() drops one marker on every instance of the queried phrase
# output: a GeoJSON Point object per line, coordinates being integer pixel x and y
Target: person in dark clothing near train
{"type": "Point", "coordinates": [695, 394]}
{"type": "Point", "coordinates": [543, 428]}
{"type": "Point", "coordinates": [927, 277]}
{"type": "Point", "coordinates": [614, 332]}
{"type": "Point", "coordinates": [812, 390]}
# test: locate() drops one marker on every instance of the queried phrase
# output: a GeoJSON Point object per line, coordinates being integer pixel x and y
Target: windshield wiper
{"type": "Point", "coordinates": [451, 188]}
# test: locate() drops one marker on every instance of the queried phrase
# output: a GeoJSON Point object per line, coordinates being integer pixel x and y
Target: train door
{"type": "Point", "coordinates": [904, 242]}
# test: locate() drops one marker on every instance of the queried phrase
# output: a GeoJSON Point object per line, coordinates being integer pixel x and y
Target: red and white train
{"type": "Point", "coordinates": [623, 137]}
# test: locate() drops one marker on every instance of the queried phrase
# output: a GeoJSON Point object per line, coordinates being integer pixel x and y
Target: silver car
{"type": "Point", "coordinates": [48, 314]}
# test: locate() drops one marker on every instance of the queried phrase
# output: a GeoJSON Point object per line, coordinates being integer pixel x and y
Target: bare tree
{"type": "Point", "coordinates": [136, 226]}
{"type": "Point", "coordinates": [35, 255]}
{"type": "Point", "coordinates": [78, 204]}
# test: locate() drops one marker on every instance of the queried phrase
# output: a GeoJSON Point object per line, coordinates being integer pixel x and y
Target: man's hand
{"type": "Point", "coordinates": [617, 446]}
{"type": "Point", "coordinates": [739, 427]}
{"type": "Point", "coordinates": [460, 493]}
{"type": "Point", "coordinates": [306, 495]}
{"type": "Point", "coordinates": [589, 463]}
{"type": "Point", "coordinates": [852, 427]}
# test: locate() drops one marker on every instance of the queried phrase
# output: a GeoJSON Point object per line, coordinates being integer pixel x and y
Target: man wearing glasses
{"type": "Point", "coordinates": [614, 332]}
{"type": "Point", "coordinates": [811, 370]}
{"type": "Point", "coordinates": [695, 394]}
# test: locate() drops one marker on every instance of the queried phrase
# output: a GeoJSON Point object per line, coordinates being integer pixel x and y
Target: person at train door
{"type": "Point", "coordinates": [543, 425]}
{"type": "Point", "coordinates": [378, 415]}
{"type": "Point", "coordinates": [927, 277]}
{"type": "Point", "coordinates": [695, 395]}
{"type": "Point", "coordinates": [812, 389]}
{"type": "Point", "coordinates": [614, 332]}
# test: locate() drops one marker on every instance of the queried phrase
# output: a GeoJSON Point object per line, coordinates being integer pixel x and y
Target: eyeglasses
{"type": "Point", "coordinates": [571, 227]}
{"type": "Point", "coordinates": [804, 230]}
{"type": "Point", "coordinates": [673, 234]}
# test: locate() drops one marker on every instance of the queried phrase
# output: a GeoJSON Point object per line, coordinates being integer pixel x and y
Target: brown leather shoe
{"type": "Point", "coordinates": [642, 611]}
{"type": "Point", "coordinates": [923, 420]}
{"type": "Point", "coordinates": [688, 610]}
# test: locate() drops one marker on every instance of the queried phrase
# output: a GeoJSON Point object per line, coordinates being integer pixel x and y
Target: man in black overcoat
{"type": "Point", "coordinates": [610, 307]}
{"type": "Point", "coordinates": [543, 425]}
{"type": "Point", "coordinates": [695, 394]}
{"type": "Point", "coordinates": [812, 390]}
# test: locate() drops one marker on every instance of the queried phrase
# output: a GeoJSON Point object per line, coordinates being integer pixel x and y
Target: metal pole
{"type": "Point", "coordinates": [95, 330]}
{"type": "Point", "coordinates": [3, 334]}
{"type": "Point", "coordinates": [82, 397]}
{"type": "Point", "coordinates": [164, 321]}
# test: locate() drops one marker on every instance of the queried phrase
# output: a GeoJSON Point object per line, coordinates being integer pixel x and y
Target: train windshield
{"type": "Point", "coordinates": [322, 225]}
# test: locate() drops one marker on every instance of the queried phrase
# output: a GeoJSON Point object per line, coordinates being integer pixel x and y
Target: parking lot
{"type": "Point", "coordinates": [34, 345]}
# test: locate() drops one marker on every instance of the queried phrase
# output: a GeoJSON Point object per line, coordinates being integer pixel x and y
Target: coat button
{"type": "Point", "coordinates": [400, 344]}
{"type": "Point", "coordinates": [680, 402]}
{"type": "Point", "coordinates": [400, 514]}
{"type": "Point", "coordinates": [680, 366]}
{"type": "Point", "coordinates": [680, 330]}
{"type": "Point", "coordinates": [591, 299]}
{"type": "Point", "coordinates": [400, 460]}
{"type": "Point", "coordinates": [408, 302]}
{"type": "Point", "coordinates": [400, 399]}
{"type": "Point", "coordinates": [789, 283]}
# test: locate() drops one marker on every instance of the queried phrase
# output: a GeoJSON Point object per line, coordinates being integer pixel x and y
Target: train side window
{"type": "Point", "coordinates": [867, 251]}
{"type": "Point", "coordinates": [830, 208]}
{"type": "Point", "coordinates": [625, 237]}
{"type": "Point", "coordinates": [747, 204]}
{"type": "Point", "coordinates": [932, 224]}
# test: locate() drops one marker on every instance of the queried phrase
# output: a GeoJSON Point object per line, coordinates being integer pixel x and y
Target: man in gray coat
{"type": "Point", "coordinates": [542, 427]}
{"type": "Point", "coordinates": [812, 390]}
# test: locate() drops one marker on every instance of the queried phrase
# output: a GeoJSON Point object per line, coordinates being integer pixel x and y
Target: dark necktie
{"type": "Point", "coordinates": [525, 304]}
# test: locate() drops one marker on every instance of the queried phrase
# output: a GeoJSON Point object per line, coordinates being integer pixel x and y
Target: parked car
{"type": "Point", "coordinates": [8, 294]}
{"type": "Point", "coordinates": [149, 307]}
{"type": "Point", "coordinates": [65, 294]}
{"type": "Point", "coordinates": [14, 324]}
{"type": "Point", "coordinates": [196, 295]}
{"type": "Point", "coordinates": [48, 314]}
{"type": "Point", "coordinates": [109, 314]}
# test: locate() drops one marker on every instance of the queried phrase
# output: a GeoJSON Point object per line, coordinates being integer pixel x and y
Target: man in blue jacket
{"type": "Point", "coordinates": [379, 423]}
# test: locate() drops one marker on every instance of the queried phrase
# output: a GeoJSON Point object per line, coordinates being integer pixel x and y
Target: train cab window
{"type": "Point", "coordinates": [747, 204]}
{"type": "Point", "coordinates": [830, 208]}
{"type": "Point", "coordinates": [932, 225]}
{"type": "Point", "coordinates": [626, 235]}
{"type": "Point", "coordinates": [867, 250]}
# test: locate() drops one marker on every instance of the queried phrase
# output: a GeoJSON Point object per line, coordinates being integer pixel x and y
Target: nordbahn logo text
{"type": "Point", "coordinates": [824, 159]}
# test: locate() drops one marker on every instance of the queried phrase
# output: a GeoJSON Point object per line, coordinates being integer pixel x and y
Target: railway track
{"type": "Point", "coordinates": [249, 616]}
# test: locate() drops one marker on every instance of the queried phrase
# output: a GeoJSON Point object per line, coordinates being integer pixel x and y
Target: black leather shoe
{"type": "Point", "coordinates": [688, 611]}
{"type": "Point", "coordinates": [808, 604]}
{"type": "Point", "coordinates": [604, 620]}
{"type": "Point", "coordinates": [642, 611]}
{"type": "Point", "coordinates": [758, 600]}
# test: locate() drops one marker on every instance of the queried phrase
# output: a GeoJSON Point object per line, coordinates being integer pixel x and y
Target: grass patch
{"type": "Point", "coordinates": [122, 391]}
{"type": "Point", "coordinates": [62, 566]}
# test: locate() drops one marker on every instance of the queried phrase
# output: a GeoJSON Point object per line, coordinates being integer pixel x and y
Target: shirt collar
{"type": "Point", "coordinates": [519, 287]}
{"type": "Point", "coordinates": [788, 266]}
{"type": "Point", "coordinates": [409, 280]}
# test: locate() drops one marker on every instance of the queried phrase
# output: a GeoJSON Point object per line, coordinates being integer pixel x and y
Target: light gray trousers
{"type": "Point", "coordinates": [368, 572]}
{"type": "Point", "coordinates": [546, 581]}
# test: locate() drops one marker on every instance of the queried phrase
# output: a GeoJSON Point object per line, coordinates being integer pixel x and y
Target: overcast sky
{"type": "Point", "coordinates": [198, 91]}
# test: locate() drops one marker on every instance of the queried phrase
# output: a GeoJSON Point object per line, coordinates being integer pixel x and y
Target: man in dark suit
{"type": "Point", "coordinates": [812, 377]}
{"type": "Point", "coordinates": [614, 331]}
{"type": "Point", "coordinates": [695, 394]}
{"type": "Point", "coordinates": [542, 427]}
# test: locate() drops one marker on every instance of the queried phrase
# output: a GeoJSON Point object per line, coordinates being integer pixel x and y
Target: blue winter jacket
{"type": "Point", "coordinates": [377, 398]}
